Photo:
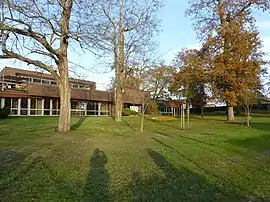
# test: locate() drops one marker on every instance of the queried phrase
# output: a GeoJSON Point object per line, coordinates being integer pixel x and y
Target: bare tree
{"type": "Point", "coordinates": [247, 102]}
{"type": "Point", "coordinates": [142, 71]}
{"type": "Point", "coordinates": [39, 32]}
{"type": "Point", "coordinates": [120, 29]}
{"type": "Point", "coordinates": [161, 78]}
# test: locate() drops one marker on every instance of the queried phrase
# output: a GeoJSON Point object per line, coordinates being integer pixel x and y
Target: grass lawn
{"type": "Point", "coordinates": [100, 160]}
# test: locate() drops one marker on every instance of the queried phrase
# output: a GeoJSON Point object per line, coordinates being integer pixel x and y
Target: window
{"type": "Point", "coordinates": [14, 103]}
{"type": "Point", "coordinates": [24, 112]}
{"type": "Point", "coordinates": [45, 81]}
{"type": "Point", "coordinates": [36, 106]}
{"type": "Point", "coordinates": [78, 108]}
{"type": "Point", "coordinates": [53, 83]}
{"type": "Point", "coordinates": [104, 109]}
{"type": "Point", "coordinates": [46, 112]}
{"type": "Point", "coordinates": [14, 112]}
{"type": "Point", "coordinates": [24, 106]}
{"type": "Point", "coordinates": [83, 86]}
{"type": "Point", "coordinates": [72, 85]}
{"type": "Point", "coordinates": [55, 107]}
{"type": "Point", "coordinates": [7, 102]}
{"type": "Point", "coordinates": [35, 80]}
{"type": "Point", "coordinates": [33, 103]}
{"type": "Point", "coordinates": [56, 104]}
{"type": "Point", "coordinates": [26, 79]}
{"type": "Point", "coordinates": [75, 105]}
{"type": "Point", "coordinates": [46, 103]}
{"type": "Point", "coordinates": [92, 108]}
{"type": "Point", "coordinates": [14, 106]}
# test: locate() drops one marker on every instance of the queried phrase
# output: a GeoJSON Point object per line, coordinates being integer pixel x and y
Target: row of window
{"type": "Point", "coordinates": [52, 82]}
{"type": "Point", "coordinates": [36, 106]}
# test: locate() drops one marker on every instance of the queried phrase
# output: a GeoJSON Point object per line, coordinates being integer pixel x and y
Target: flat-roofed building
{"type": "Point", "coordinates": [30, 93]}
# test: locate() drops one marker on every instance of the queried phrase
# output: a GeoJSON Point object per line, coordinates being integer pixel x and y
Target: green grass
{"type": "Point", "coordinates": [100, 160]}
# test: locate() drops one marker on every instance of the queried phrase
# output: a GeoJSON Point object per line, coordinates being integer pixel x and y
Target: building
{"type": "Point", "coordinates": [170, 107]}
{"type": "Point", "coordinates": [30, 93]}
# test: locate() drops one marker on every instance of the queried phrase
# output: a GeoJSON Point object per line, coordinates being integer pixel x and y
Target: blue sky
{"type": "Point", "coordinates": [177, 33]}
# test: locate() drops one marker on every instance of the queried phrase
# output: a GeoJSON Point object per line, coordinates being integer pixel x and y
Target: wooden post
{"type": "Point", "coordinates": [188, 113]}
{"type": "Point", "coordinates": [181, 116]}
{"type": "Point", "coordinates": [184, 117]}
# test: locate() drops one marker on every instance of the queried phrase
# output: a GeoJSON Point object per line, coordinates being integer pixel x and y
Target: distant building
{"type": "Point", "coordinates": [209, 105]}
{"type": "Point", "coordinates": [30, 93]}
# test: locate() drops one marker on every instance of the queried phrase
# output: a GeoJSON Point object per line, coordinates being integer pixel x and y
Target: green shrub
{"type": "Point", "coordinates": [4, 113]}
{"type": "Point", "coordinates": [128, 112]}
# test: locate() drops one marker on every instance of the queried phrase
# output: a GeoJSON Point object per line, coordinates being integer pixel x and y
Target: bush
{"type": "Point", "coordinates": [128, 112]}
{"type": "Point", "coordinates": [4, 113]}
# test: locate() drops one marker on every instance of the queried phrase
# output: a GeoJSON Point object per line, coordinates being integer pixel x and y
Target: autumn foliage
{"type": "Point", "coordinates": [230, 60]}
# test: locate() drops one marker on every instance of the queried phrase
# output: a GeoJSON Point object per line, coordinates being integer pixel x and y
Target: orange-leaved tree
{"type": "Point", "coordinates": [191, 79]}
{"type": "Point", "coordinates": [232, 43]}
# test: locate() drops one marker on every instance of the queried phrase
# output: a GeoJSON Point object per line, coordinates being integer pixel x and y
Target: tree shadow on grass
{"type": "Point", "coordinates": [209, 118]}
{"type": "Point", "coordinates": [209, 172]}
{"type": "Point", "coordinates": [15, 169]}
{"type": "Point", "coordinates": [97, 184]}
{"type": "Point", "coordinates": [177, 184]}
{"type": "Point", "coordinates": [129, 125]}
{"type": "Point", "coordinates": [179, 137]}
{"type": "Point", "coordinates": [78, 123]}
{"type": "Point", "coordinates": [265, 126]}
{"type": "Point", "coordinates": [259, 143]}
{"type": "Point", "coordinates": [10, 162]}
{"type": "Point", "coordinates": [261, 126]}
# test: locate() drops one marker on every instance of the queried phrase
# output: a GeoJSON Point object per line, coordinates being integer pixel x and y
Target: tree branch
{"type": "Point", "coordinates": [35, 35]}
{"type": "Point", "coordinates": [12, 55]}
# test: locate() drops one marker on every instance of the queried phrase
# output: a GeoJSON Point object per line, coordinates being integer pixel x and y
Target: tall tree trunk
{"type": "Point", "coordinates": [230, 114]}
{"type": "Point", "coordinates": [118, 98]}
{"type": "Point", "coordinates": [120, 67]}
{"type": "Point", "coordinates": [64, 119]}
{"type": "Point", "coordinates": [202, 112]}
{"type": "Point", "coordinates": [63, 83]}
{"type": "Point", "coordinates": [247, 116]}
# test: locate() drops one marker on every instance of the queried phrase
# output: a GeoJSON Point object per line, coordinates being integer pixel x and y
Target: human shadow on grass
{"type": "Point", "coordinates": [177, 184]}
{"type": "Point", "coordinates": [97, 184]}
{"type": "Point", "coordinates": [78, 123]}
